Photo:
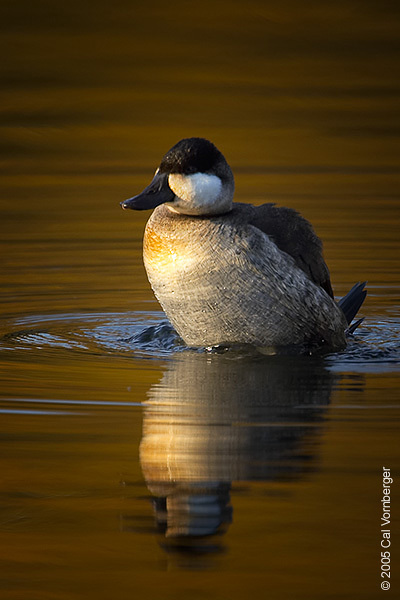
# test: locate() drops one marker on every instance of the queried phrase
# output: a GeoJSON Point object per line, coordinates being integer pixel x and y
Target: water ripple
{"type": "Point", "coordinates": [374, 348]}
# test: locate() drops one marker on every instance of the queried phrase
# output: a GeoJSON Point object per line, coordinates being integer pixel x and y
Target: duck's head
{"type": "Point", "coordinates": [192, 179]}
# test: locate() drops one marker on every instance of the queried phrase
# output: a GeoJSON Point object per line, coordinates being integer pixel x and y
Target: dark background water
{"type": "Point", "coordinates": [116, 443]}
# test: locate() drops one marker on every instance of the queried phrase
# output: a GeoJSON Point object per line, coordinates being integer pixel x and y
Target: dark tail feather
{"type": "Point", "coordinates": [351, 302]}
{"type": "Point", "coordinates": [351, 329]}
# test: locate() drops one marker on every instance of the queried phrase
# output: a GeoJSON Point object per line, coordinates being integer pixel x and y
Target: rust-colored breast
{"type": "Point", "coordinates": [165, 251]}
{"type": "Point", "coordinates": [157, 248]}
{"type": "Point", "coordinates": [153, 243]}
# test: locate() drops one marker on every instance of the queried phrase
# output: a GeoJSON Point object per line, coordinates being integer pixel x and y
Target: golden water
{"type": "Point", "coordinates": [107, 429]}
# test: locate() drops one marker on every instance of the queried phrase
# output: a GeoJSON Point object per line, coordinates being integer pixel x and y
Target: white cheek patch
{"type": "Point", "coordinates": [195, 192]}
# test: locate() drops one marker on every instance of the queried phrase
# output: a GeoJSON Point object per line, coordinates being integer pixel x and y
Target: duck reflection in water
{"type": "Point", "coordinates": [214, 419]}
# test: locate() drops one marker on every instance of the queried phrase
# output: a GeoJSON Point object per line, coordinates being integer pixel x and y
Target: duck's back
{"type": "Point", "coordinates": [224, 280]}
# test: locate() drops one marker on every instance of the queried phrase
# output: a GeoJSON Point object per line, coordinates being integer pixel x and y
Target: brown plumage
{"type": "Point", "coordinates": [294, 234]}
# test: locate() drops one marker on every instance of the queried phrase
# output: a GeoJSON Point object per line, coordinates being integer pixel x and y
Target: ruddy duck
{"type": "Point", "coordinates": [231, 273]}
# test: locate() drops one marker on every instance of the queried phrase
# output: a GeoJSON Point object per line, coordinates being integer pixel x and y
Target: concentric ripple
{"type": "Point", "coordinates": [99, 333]}
{"type": "Point", "coordinates": [374, 348]}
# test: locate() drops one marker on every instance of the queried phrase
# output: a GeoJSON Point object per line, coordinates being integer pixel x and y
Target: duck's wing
{"type": "Point", "coordinates": [294, 235]}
